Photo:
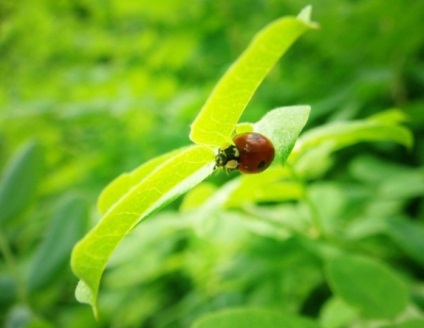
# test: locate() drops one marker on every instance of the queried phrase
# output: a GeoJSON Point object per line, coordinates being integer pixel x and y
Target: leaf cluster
{"type": "Point", "coordinates": [330, 236]}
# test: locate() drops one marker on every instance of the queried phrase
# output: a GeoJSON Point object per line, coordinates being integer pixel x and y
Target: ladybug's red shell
{"type": "Point", "coordinates": [256, 152]}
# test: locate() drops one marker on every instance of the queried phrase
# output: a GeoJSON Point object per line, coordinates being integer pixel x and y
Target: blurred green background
{"type": "Point", "coordinates": [100, 87]}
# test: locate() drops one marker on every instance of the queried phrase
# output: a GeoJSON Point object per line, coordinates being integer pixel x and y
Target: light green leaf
{"type": "Point", "coordinates": [337, 314]}
{"type": "Point", "coordinates": [167, 181]}
{"type": "Point", "coordinates": [315, 162]}
{"type": "Point", "coordinates": [198, 196]}
{"type": "Point", "coordinates": [282, 126]}
{"type": "Point", "coordinates": [217, 120]}
{"type": "Point", "coordinates": [122, 184]}
{"type": "Point", "coordinates": [375, 170]}
{"type": "Point", "coordinates": [391, 116]}
{"type": "Point", "coordinates": [277, 192]}
{"type": "Point", "coordinates": [19, 181]}
{"type": "Point", "coordinates": [83, 294]}
{"type": "Point", "coordinates": [412, 323]}
{"type": "Point", "coordinates": [66, 228]}
{"type": "Point", "coordinates": [248, 318]}
{"type": "Point", "coordinates": [342, 134]}
{"type": "Point", "coordinates": [364, 284]}
{"type": "Point", "coordinates": [269, 186]}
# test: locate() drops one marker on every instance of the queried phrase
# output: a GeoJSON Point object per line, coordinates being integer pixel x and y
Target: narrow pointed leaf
{"type": "Point", "coordinates": [19, 181]}
{"type": "Point", "coordinates": [217, 120]}
{"type": "Point", "coordinates": [342, 134]}
{"type": "Point", "coordinates": [173, 177]}
{"type": "Point", "coordinates": [66, 228]}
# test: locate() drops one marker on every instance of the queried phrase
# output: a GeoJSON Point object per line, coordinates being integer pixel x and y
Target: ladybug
{"type": "Point", "coordinates": [252, 152]}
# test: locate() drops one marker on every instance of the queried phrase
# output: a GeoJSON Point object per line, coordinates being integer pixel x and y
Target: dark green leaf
{"type": "Point", "coordinates": [67, 226]}
{"type": "Point", "coordinates": [367, 285]}
{"type": "Point", "coordinates": [19, 181]}
{"type": "Point", "coordinates": [409, 236]}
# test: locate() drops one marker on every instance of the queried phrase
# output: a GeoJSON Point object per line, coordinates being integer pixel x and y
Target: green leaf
{"type": "Point", "coordinates": [19, 181]}
{"type": "Point", "coordinates": [66, 228]}
{"type": "Point", "coordinates": [167, 181]}
{"type": "Point", "coordinates": [409, 236]}
{"type": "Point", "coordinates": [216, 122]}
{"type": "Point", "coordinates": [365, 284]}
{"type": "Point", "coordinates": [248, 318]}
{"type": "Point", "coordinates": [83, 294]}
{"type": "Point", "coordinates": [375, 170]}
{"type": "Point", "coordinates": [248, 193]}
{"type": "Point", "coordinates": [391, 116]}
{"type": "Point", "coordinates": [282, 126]}
{"type": "Point", "coordinates": [122, 184]}
{"type": "Point", "coordinates": [336, 314]}
{"type": "Point", "coordinates": [18, 316]}
{"type": "Point", "coordinates": [342, 134]}
{"type": "Point", "coordinates": [198, 196]}
{"type": "Point", "coordinates": [403, 185]}
{"type": "Point", "coordinates": [413, 323]}
{"type": "Point", "coordinates": [8, 287]}
{"type": "Point", "coordinates": [269, 186]}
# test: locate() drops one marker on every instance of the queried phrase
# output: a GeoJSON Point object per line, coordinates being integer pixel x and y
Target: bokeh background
{"type": "Point", "coordinates": [99, 87]}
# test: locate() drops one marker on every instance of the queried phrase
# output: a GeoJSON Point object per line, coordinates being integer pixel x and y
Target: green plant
{"type": "Point", "coordinates": [131, 197]}
{"type": "Point", "coordinates": [285, 245]}
{"type": "Point", "coordinates": [18, 187]}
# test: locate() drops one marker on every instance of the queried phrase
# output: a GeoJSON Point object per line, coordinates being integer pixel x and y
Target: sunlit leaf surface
{"type": "Point", "coordinates": [170, 179]}
{"type": "Point", "coordinates": [216, 121]}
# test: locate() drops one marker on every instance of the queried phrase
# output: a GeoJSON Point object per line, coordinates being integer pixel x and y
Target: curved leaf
{"type": "Point", "coordinates": [364, 284]}
{"type": "Point", "coordinates": [123, 183]}
{"type": "Point", "coordinates": [216, 122]}
{"type": "Point", "coordinates": [342, 134]}
{"type": "Point", "coordinates": [173, 177]}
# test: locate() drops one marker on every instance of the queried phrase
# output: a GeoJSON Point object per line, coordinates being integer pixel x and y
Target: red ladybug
{"type": "Point", "coordinates": [252, 152]}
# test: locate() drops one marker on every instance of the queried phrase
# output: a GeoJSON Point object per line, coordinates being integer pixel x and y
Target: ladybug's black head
{"type": "Point", "coordinates": [220, 160]}
{"type": "Point", "coordinates": [228, 158]}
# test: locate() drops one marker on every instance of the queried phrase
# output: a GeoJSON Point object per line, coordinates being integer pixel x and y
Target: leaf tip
{"type": "Point", "coordinates": [305, 16]}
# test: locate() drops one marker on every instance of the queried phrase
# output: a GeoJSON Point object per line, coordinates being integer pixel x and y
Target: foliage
{"type": "Point", "coordinates": [174, 174]}
{"type": "Point", "coordinates": [334, 238]}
